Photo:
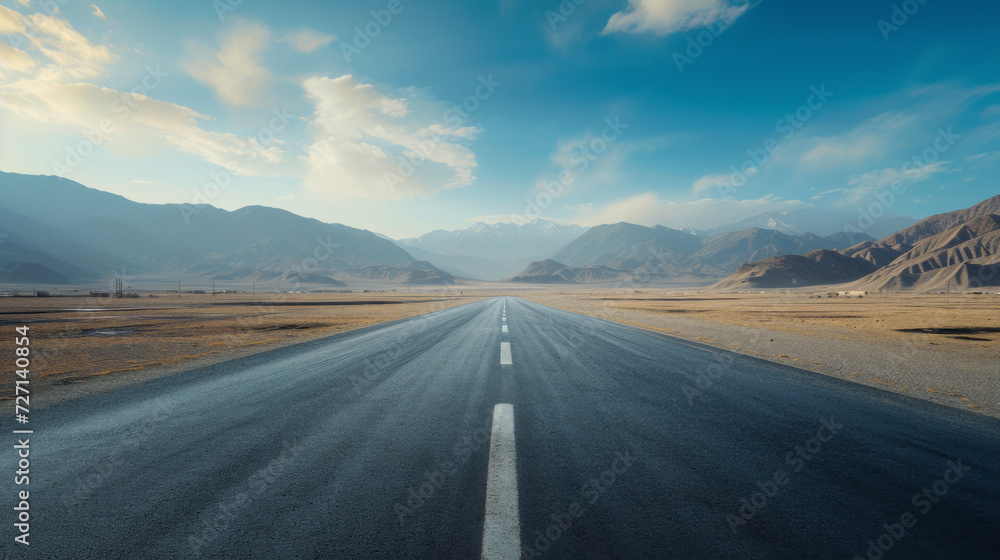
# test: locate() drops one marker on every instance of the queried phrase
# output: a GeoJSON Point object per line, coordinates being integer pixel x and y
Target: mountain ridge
{"type": "Point", "coordinates": [202, 242]}
{"type": "Point", "coordinates": [959, 249]}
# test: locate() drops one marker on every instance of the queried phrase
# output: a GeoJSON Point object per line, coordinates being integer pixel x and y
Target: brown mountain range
{"type": "Point", "coordinates": [959, 249]}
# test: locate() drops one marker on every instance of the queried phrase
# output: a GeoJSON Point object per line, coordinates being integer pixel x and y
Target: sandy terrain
{"type": "Point", "coordinates": [940, 348]}
{"type": "Point", "coordinates": [935, 347]}
{"type": "Point", "coordinates": [107, 342]}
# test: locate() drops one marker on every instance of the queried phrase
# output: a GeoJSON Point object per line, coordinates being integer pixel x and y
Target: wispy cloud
{"type": "Point", "coordinates": [859, 187]}
{"type": "Point", "coordinates": [71, 54]}
{"type": "Point", "coordinates": [384, 145]}
{"type": "Point", "coordinates": [14, 59]}
{"type": "Point", "coordinates": [97, 12]}
{"type": "Point", "coordinates": [986, 159]}
{"type": "Point", "coordinates": [234, 71]}
{"type": "Point", "coordinates": [903, 127]}
{"type": "Point", "coordinates": [509, 219]}
{"type": "Point", "coordinates": [307, 40]}
{"type": "Point", "coordinates": [152, 126]}
{"type": "Point", "coordinates": [141, 125]}
{"type": "Point", "coordinates": [709, 182]}
{"type": "Point", "coordinates": [671, 16]}
{"type": "Point", "coordinates": [870, 139]}
{"type": "Point", "coordinates": [581, 208]}
{"type": "Point", "coordinates": [649, 210]}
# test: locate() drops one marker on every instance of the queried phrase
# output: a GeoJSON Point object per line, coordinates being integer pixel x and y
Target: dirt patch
{"type": "Point", "coordinates": [954, 330]}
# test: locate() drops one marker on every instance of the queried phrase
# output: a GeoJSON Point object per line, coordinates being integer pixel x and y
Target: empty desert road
{"type": "Point", "coordinates": [624, 444]}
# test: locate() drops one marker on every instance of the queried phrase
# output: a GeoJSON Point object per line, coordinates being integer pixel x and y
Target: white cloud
{"type": "Point", "coordinates": [382, 145]}
{"type": "Point", "coordinates": [896, 132]}
{"type": "Point", "coordinates": [510, 219]}
{"type": "Point", "coordinates": [870, 139]}
{"type": "Point", "coordinates": [986, 159]}
{"type": "Point", "coordinates": [97, 12]}
{"type": "Point", "coordinates": [710, 182]}
{"type": "Point", "coordinates": [142, 126]}
{"type": "Point", "coordinates": [595, 158]}
{"type": "Point", "coordinates": [590, 159]}
{"type": "Point", "coordinates": [139, 125]}
{"type": "Point", "coordinates": [828, 191]}
{"type": "Point", "coordinates": [10, 21]}
{"type": "Point", "coordinates": [581, 208]}
{"type": "Point", "coordinates": [648, 210]}
{"type": "Point", "coordinates": [71, 54]}
{"type": "Point", "coordinates": [234, 72]}
{"type": "Point", "coordinates": [863, 185]}
{"type": "Point", "coordinates": [307, 40]}
{"type": "Point", "coordinates": [14, 59]}
{"type": "Point", "coordinates": [495, 219]}
{"type": "Point", "coordinates": [671, 16]}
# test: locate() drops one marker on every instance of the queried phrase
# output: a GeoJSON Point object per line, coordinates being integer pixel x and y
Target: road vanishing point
{"type": "Point", "coordinates": [506, 429]}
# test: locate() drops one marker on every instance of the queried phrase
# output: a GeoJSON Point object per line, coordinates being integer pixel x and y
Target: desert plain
{"type": "Point", "coordinates": [944, 348]}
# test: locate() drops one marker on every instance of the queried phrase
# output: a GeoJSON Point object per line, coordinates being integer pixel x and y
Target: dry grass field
{"type": "Point", "coordinates": [83, 339]}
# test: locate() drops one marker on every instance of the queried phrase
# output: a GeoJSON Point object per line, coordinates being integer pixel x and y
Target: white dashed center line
{"type": "Point", "coordinates": [505, 359]}
{"type": "Point", "coordinates": [504, 329]}
{"type": "Point", "coordinates": [502, 526]}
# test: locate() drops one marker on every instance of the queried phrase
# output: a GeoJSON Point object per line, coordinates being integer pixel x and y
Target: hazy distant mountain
{"type": "Point", "coordinates": [32, 273]}
{"type": "Point", "coordinates": [819, 222]}
{"type": "Point", "coordinates": [27, 241]}
{"type": "Point", "coordinates": [509, 245]}
{"type": "Point", "coordinates": [727, 251]}
{"type": "Point", "coordinates": [464, 266]}
{"type": "Point", "coordinates": [844, 240]}
{"type": "Point", "coordinates": [695, 232]}
{"type": "Point", "coordinates": [546, 272]}
{"type": "Point", "coordinates": [672, 253]}
{"type": "Point", "coordinates": [628, 246]}
{"type": "Point", "coordinates": [413, 272]}
{"type": "Point", "coordinates": [552, 272]}
{"type": "Point", "coordinates": [82, 234]}
{"type": "Point", "coordinates": [817, 267]}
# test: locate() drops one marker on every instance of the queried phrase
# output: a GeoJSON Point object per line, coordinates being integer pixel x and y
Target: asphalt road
{"type": "Point", "coordinates": [629, 444]}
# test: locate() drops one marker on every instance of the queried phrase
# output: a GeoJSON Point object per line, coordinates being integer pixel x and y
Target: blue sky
{"type": "Point", "coordinates": [675, 112]}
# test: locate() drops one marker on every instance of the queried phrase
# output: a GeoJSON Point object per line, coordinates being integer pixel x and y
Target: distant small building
{"type": "Point", "coordinates": [852, 294]}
